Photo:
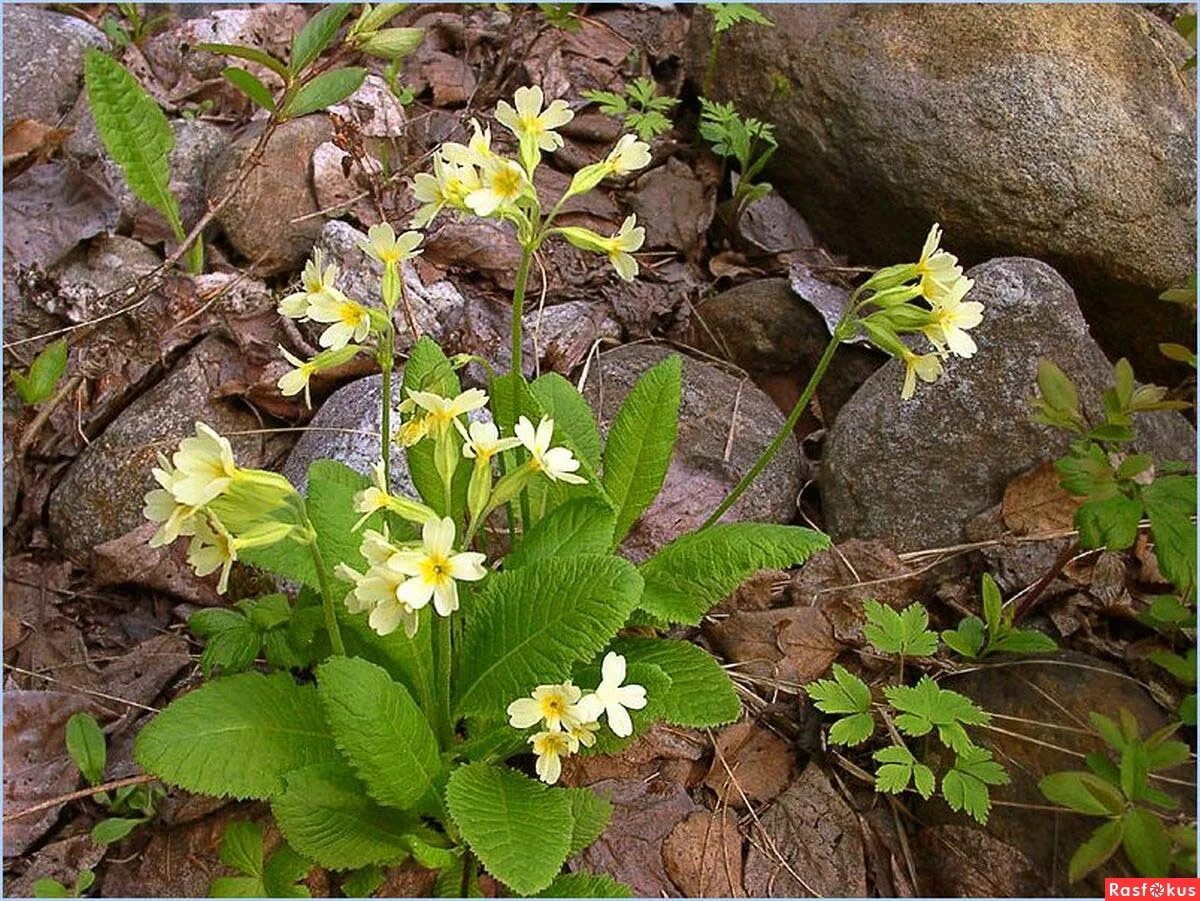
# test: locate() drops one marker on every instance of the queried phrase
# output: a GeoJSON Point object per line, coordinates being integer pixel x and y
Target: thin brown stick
{"type": "Point", "coordinates": [82, 793]}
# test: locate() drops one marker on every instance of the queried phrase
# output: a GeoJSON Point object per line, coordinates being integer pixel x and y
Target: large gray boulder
{"type": "Point", "coordinates": [724, 424]}
{"type": "Point", "coordinates": [1062, 132]}
{"type": "Point", "coordinates": [914, 473]}
{"type": "Point", "coordinates": [271, 219]}
{"type": "Point", "coordinates": [346, 429]}
{"type": "Point", "coordinates": [43, 62]}
{"type": "Point", "coordinates": [101, 496]}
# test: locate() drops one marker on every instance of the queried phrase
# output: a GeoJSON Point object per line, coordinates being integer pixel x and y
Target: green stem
{"type": "Point", "coordinates": [785, 431]}
{"type": "Point", "coordinates": [331, 623]}
{"type": "Point", "coordinates": [441, 661]}
{"type": "Point", "coordinates": [387, 360]}
{"type": "Point", "coordinates": [518, 313]}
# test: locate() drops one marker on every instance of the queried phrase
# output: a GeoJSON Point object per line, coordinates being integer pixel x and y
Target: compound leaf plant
{"type": "Point", "coordinates": [446, 652]}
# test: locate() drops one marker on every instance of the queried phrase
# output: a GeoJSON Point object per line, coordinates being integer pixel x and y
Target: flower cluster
{"type": "Point", "coordinates": [402, 578]}
{"type": "Point", "coordinates": [350, 325]}
{"type": "Point", "coordinates": [926, 298]}
{"type": "Point", "coordinates": [203, 494]}
{"type": "Point", "coordinates": [475, 179]}
{"type": "Point", "coordinates": [569, 719]}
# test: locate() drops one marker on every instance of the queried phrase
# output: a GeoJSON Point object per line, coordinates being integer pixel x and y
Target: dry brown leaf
{"type": "Point", "coordinates": [703, 856]}
{"type": "Point", "coordinates": [1036, 504]}
{"type": "Point", "coordinates": [36, 765]}
{"type": "Point", "coordinates": [789, 645]}
{"type": "Point", "coordinates": [750, 763]}
{"type": "Point", "coordinates": [30, 141]}
{"type": "Point", "coordinates": [840, 579]}
{"type": "Point", "coordinates": [810, 841]}
{"type": "Point", "coordinates": [631, 848]}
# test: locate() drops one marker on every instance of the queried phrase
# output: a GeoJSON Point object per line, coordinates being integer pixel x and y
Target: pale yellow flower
{"type": "Point", "coordinates": [434, 569]}
{"type": "Point", "coordinates": [449, 185]}
{"type": "Point", "coordinates": [503, 183]}
{"type": "Point", "coordinates": [204, 467]}
{"type": "Point", "coordinates": [476, 152]}
{"type": "Point", "coordinates": [628, 239]}
{"type": "Point", "coordinates": [529, 122]}
{"type": "Point", "coordinates": [161, 506]}
{"type": "Point", "coordinates": [316, 279]}
{"type": "Point", "coordinates": [550, 748]}
{"type": "Point", "coordinates": [383, 245]}
{"type": "Point", "coordinates": [612, 698]}
{"type": "Point", "coordinates": [584, 733]}
{"type": "Point", "coordinates": [937, 269]}
{"type": "Point", "coordinates": [952, 317]}
{"type": "Point", "coordinates": [553, 705]}
{"type": "Point", "coordinates": [482, 441]}
{"type": "Point", "coordinates": [378, 497]}
{"type": "Point", "coordinates": [297, 380]}
{"type": "Point", "coordinates": [350, 319]}
{"type": "Point", "coordinates": [212, 548]}
{"type": "Point", "coordinates": [440, 411]}
{"type": "Point", "coordinates": [927, 367]}
{"type": "Point", "coordinates": [558, 463]}
{"type": "Point", "coordinates": [628, 155]}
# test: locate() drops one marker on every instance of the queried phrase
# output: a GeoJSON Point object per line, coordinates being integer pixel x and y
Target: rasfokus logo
{"type": "Point", "coordinates": [1137, 887]}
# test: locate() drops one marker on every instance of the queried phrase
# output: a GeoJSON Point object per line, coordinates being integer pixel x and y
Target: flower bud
{"type": "Point", "coordinates": [890, 277]}
{"type": "Point", "coordinates": [375, 17]}
{"type": "Point", "coordinates": [480, 488]}
{"type": "Point", "coordinates": [393, 43]}
{"type": "Point", "coordinates": [446, 455]}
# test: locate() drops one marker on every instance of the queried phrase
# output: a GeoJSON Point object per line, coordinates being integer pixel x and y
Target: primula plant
{"type": "Point", "coordinates": [448, 652]}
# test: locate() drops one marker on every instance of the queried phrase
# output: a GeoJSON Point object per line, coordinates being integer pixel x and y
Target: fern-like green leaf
{"type": "Point", "coordinates": [692, 573]}
{"type": "Point", "coordinates": [135, 132]}
{"type": "Point", "coordinates": [237, 736]}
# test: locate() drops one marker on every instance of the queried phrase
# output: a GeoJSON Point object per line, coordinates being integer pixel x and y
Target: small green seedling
{"type": "Point", "coordinates": [995, 633]}
{"type": "Point", "coordinates": [131, 805]}
{"type": "Point", "coordinates": [639, 108]}
{"type": "Point", "coordinates": [1117, 786]}
{"type": "Point", "coordinates": [1119, 488]}
{"type": "Point", "coordinates": [747, 141]}
{"type": "Point", "coordinates": [40, 383]}
{"type": "Point", "coordinates": [912, 711]}
{"type": "Point", "coordinates": [52, 888]}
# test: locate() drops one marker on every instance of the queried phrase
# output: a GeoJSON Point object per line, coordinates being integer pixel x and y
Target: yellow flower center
{"type": "Point", "coordinates": [350, 314]}
{"type": "Point", "coordinates": [531, 124]}
{"type": "Point", "coordinates": [552, 743]}
{"type": "Point", "coordinates": [506, 183]}
{"type": "Point", "coordinates": [435, 570]}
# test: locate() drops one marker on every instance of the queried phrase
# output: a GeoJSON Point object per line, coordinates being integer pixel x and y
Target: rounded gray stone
{"type": "Point", "coordinates": [1062, 132]}
{"type": "Point", "coordinates": [260, 219]}
{"type": "Point", "coordinates": [43, 62]}
{"type": "Point", "coordinates": [347, 429]}
{"type": "Point", "coordinates": [101, 496]}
